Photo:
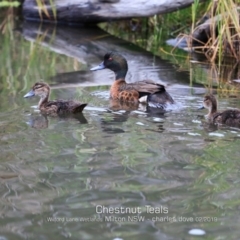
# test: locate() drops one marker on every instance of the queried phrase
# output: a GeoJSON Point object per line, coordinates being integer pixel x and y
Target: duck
{"type": "Point", "coordinates": [145, 91]}
{"type": "Point", "coordinates": [56, 107]}
{"type": "Point", "coordinates": [230, 117]}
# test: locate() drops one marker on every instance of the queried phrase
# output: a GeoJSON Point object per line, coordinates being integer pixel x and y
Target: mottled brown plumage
{"type": "Point", "coordinates": [146, 90]}
{"type": "Point", "coordinates": [229, 117]}
{"type": "Point", "coordinates": [55, 107]}
{"type": "Point", "coordinates": [116, 105]}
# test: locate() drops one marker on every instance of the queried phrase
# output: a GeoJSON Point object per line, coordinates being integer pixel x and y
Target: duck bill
{"type": "Point", "coordinates": [99, 67]}
{"type": "Point", "coordinates": [29, 94]}
{"type": "Point", "coordinates": [200, 108]}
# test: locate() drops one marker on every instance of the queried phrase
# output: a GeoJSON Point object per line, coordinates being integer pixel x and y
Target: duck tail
{"type": "Point", "coordinates": [160, 98]}
{"type": "Point", "coordinates": [79, 108]}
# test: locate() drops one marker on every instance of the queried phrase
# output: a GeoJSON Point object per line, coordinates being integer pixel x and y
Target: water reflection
{"type": "Point", "coordinates": [202, 69]}
{"type": "Point", "coordinates": [116, 105]}
{"type": "Point", "coordinates": [88, 45]}
{"type": "Point", "coordinates": [38, 122]}
{"type": "Point", "coordinates": [41, 121]}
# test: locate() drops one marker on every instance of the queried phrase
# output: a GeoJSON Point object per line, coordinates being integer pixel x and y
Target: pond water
{"type": "Point", "coordinates": [109, 174]}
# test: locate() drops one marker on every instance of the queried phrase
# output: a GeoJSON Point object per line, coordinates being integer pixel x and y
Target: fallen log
{"type": "Point", "coordinates": [94, 11]}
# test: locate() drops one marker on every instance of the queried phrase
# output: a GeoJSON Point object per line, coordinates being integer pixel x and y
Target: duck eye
{"type": "Point", "coordinates": [38, 86]}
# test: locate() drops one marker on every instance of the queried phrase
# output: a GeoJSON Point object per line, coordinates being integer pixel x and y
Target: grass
{"type": "Point", "coordinates": [10, 4]}
{"type": "Point", "coordinates": [149, 32]}
{"type": "Point", "coordinates": [220, 54]}
{"type": "Point", "coordinates": [23, 62]}
{"type": "Point", "coordinates": [224, 35]}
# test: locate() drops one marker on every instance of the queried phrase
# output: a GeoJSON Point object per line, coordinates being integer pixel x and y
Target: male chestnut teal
{"type": "Point", "coordinates": [56, 107]}
{"type": "Point", "coordinates": [229, 117]}
{"type": "Point", "coordinates": [141, 91]}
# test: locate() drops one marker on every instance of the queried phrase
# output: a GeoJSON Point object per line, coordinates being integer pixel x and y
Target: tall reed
{"type": "Point", "coordinates": [224, 39]}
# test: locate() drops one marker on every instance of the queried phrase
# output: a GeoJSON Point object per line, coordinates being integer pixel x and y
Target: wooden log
{"type": "Point", "coordinates": [93, 11]}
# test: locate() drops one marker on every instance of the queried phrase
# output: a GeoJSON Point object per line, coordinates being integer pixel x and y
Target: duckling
{"type": "Point", "coordinates": [229, 117]}
{"type": "Point", "coordinates": [147, 91]}
{"type": "Point", "coordinates": [56, 107]}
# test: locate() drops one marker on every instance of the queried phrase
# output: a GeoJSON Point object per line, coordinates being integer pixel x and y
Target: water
{"type": "Point", "coordinates": [96, 176]}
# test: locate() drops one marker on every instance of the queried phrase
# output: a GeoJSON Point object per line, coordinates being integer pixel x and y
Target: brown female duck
{"type": "Point", "coordinates": [229, 117]}
{"type": "Point", "coordinates": [141, 91]}
{"type": "Point", "coordinates": [56, 107]}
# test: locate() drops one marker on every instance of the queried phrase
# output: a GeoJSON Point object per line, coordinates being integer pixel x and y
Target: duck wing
{"type": "Point", "coordinates": [79, 108]}
{"type": "Point", "coordinates": [229, 117]}
{"type": "Point", "coordinates": [155, 92]}
{"type": "Point", "coordinates": [145, 86]}
{"type": "Point", "coordinates": [64, 107]}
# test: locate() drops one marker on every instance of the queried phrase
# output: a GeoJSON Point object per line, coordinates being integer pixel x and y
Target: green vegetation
{"type": "Point", "coordinates": [9, 4]}
{"type": "Point", "coordinates": [224, 31]}
{"type": "Point", "coordinates": [220, 52]}
{"type": "Point", "coordinates": [21, 64]}
{"type": "Point", "coordinates": [151, 33]}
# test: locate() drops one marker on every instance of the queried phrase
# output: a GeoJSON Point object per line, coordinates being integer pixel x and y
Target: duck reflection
{"type": "Point", "coordinates": [116, 105]}
{"type": "Point", "coordinates": [114, 124]}
{"type": "Point", "coordinates": [209, 127]}
{"type": "Point", "coordinates": [41, 121]}
{"type": "Point", "coordinates": [121, 111]}
{"type": "Point", "coordinates": [38, 121]}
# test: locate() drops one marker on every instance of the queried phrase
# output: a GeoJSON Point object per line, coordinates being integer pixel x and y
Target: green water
{"type": "Point", "coordinates": [58, 175]}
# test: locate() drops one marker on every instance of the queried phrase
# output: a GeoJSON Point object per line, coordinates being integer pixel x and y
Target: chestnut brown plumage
{"type": "Point", "coordinates": [141, 91]}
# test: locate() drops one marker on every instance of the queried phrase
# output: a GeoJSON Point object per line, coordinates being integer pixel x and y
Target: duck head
{"type": "Point", "coordinates": [210, 103]}
{"type": "Point", "coordinates": [40, 89]}
{"type": "Point", "coordinates": [115, 62]}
